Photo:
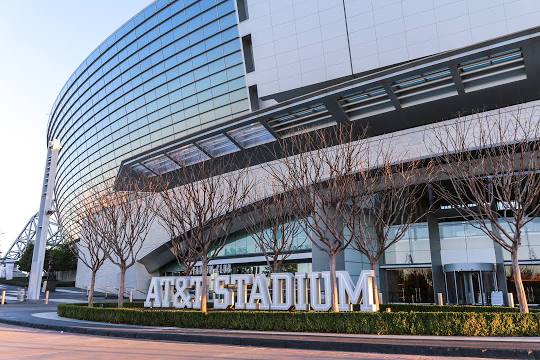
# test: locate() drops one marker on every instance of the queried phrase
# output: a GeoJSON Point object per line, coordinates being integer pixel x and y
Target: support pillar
{"type": "Point", "coordinates": [45, 212]}
{"type": "Point", "coordinates": [500, 273]}
{"type": "Point", "coordinates": [437, 271]}
{"type": "Point", "coordinates": [384, 286]}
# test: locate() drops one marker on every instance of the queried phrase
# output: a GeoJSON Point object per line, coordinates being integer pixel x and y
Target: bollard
{"type": "Point", "coordinates": [47, 297]}
{"type": "Point", "coordinates": [131, 295]}
{"type": "Point", "coordinates": [510, 300]}
{"type": "Point", "coordinates": [440, 299]}
{"type": "Point", "coordinates": [3, 297]}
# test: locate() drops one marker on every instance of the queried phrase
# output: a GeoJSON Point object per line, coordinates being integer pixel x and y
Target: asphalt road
{"type": "Point", "coordinates": [25, 343]}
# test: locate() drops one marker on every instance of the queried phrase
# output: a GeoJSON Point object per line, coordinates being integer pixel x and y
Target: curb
{"type": "Point", "coordinates": [343, 346]}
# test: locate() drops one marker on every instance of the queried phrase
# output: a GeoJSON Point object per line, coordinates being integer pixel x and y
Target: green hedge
{"type": "Point", "coordinates": [449, 308]}
{"type": "Point", "coordinates": [396, 323]}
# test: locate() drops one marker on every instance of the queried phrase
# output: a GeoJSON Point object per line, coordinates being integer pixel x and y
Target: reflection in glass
{"type": "Point", "coordinates": [161, 165]}
{"type": "Point", "coordinates": [218, 146]}
{"type": "Point", "coordinates": [158, 78]}
{"type": "Point", "coordinates": [251, 135]}
{"type": "Point", "coordinates": [188, 155]}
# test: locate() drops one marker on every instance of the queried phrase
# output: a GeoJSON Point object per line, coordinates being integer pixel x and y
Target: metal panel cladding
{"type": "Point", "coordinates": [173, 69]}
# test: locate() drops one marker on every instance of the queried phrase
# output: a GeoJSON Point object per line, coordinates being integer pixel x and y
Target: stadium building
{"type": "Point", "coordinates": [188, 81]}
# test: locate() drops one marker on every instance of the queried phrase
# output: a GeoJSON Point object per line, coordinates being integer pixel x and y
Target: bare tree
{"type": "Point", "coordinates": [388, 200]}
{"type": "Point", "coordinates": [184, 250]}
{"type": "Point", "coordinates": [320, 178]}
{"type": "Point", "coordinates": [489, 172]}
{"type": "Point", "coordinates": [199, 213]}
{"type": "Point", "coordinates": [123, 220]}
{"type": "Point", "coordinates": [275, 228]}
{"type": "Point", "coordinates": [81, 230]}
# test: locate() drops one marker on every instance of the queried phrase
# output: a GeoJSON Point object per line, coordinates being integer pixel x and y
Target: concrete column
{"type": "Point", "coordinates": [382, 278]}
{"type": "Point", "coordinates": [437, 272]}
{"type": "Point", "coordinates": [45, 212]}
{"type": "Point", "coordinates": [500, 273]}
{"type": "Point", "coordinates": [436, 262]}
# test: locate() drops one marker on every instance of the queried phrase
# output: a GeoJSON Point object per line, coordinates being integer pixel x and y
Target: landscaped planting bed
{"type": "Point", "coordinates": [397, 323]}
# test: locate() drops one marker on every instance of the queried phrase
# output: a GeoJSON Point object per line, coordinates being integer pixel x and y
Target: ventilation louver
{"type": "Point", "coordinates": [308, 118]}
{"type": "Point", "coordinates": [493, 70]}
{"type": "Point", "coordinates": [430, 86]}
{"type": "Point", "coordinates": [366, 103]}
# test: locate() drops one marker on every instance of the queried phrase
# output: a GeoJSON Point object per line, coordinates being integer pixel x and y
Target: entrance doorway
{"type": "Point", "coordinates": [470, 283]}
{"type": "Point", "coordinates": [411, 285]}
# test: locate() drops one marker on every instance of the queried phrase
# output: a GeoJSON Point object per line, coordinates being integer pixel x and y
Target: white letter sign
{"type": "Point", "coordinates": [280, 292]}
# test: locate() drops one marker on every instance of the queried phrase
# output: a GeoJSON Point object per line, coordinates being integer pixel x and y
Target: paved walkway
{"type": "Point", "coordinates": [25, 343]}
{"type": "Point", "coordinates": [39, 315]}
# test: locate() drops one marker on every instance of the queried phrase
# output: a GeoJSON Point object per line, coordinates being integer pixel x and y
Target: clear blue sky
{"type": "Point", "coordinates": [41, 44]}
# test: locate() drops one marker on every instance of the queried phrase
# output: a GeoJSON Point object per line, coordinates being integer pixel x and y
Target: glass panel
{"type": "Point", "coordinates": [410, 285]}
{"type": "Point", "coordinates": [141, 170]}
{"type": "Point", "coordinates": [161, 165]}
{"type": "Point", "coordinates": [188, 155]}
{"type": "Point", "coordinates": [116, 104]}
{"type": "Point", "coordinates": [243, 243]}
{"type": "Point", "coordinates": [251, 136]}
{"type": "Point", "coordinates": [530, 275]}
{"type": "Point", "coordinates": [412, 248]}
{"type": "Point", "coordinates": [218, 146]}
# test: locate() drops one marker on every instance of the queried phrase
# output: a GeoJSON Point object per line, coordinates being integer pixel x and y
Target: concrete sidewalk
{"type": "Point", "coordinates": [42, 316]}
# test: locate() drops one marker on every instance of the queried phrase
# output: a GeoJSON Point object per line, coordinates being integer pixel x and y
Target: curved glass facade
{"type": "Point", "coordinates": [172, 70]}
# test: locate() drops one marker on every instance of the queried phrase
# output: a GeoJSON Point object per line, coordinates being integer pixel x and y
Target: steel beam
{"type": "Point", "coordinates": [45, 212]}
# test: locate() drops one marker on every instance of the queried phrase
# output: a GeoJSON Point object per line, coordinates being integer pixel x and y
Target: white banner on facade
{"type": "Point", "coordinates": [280, 291]}
{"type": "Point", "coordinates": [9, 267]}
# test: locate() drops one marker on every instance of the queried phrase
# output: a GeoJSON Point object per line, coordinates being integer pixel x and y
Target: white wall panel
{"type": "Point", "coordinates": [386, 32]}
{"type": "Point", "coordinates": [297, 43]}
{"type": "Point", "coordinates": [380, 33]}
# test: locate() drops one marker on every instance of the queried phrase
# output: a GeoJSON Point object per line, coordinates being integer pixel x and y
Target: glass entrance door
{"type": "Point", "coordinates": [412, 285]}
{"type": "Point", "coordinates": [470, 287]}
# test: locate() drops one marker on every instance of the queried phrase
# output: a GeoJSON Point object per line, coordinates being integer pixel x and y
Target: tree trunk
{"type": "Point", "coordinates": [333, 282]}
{"type": "Point", "coordinates": [91, 290]}
{"type": "Point", "coordinates": [204, 286]}
{"type": "Point", "coordinates": [275, 267]}
{"type": "Point", "coordinates": [375, 287]}
{"type": "Point", "coordinates": [516, 272]}
{"type": "Point", "coordinates": [121, 287]}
